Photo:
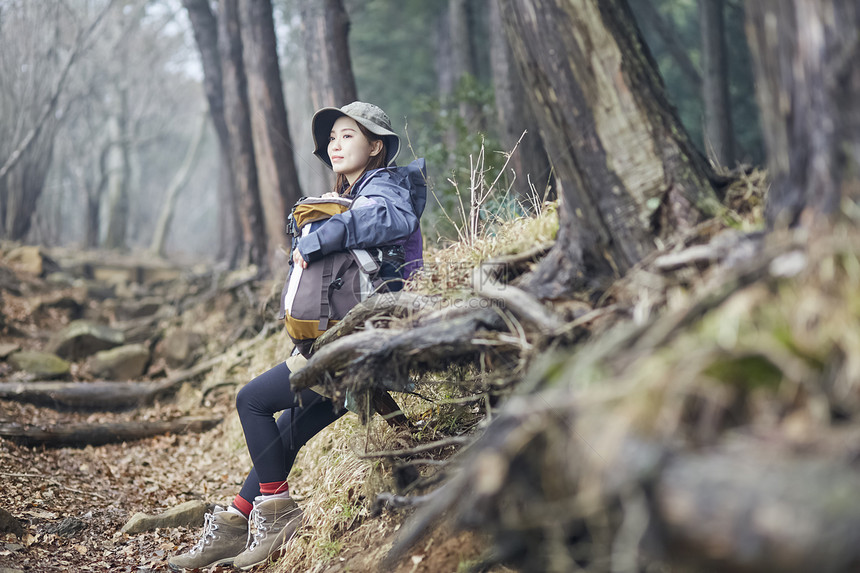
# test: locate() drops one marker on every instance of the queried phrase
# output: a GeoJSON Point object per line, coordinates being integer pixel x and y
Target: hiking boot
{"type": "Point", "coordinates": [274, 523]}
{"type": "Point", "coordinates": [225, 535]}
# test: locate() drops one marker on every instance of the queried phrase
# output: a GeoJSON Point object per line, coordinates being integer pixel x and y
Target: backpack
{"type": "Point", "coordinates": [315, 298]}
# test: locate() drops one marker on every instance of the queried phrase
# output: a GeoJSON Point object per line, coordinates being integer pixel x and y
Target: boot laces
{"type": "Point", "coordinates": [260, 528]}
{"type": "Point", "coordinates": [209, 528]}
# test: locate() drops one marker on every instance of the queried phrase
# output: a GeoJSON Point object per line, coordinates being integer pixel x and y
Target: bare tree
{"type": "Point", "coordinates": [649, 16]}
{"type": "Point", "coordinates": [26, 145]}
{"type": "Point", "coordinates": [444, 54]}
{"type": "Point", "coordinates": [808, 88]}
{"type": "Point", "coordinates": [119, 174]}
{"type": "Point", "coordinates": [515, 115]}
{"type": "Point", "coordinates": [179, 180]}
{"type": "Point", "coordinates": [462, 56]}
{"type": "Point", "coordinates": [278, 177]}
{"type": "Point", "coordinates": [205, 27]}
{"type": "Point", "coordinates": [325, 37]}
{"type": "Point", "coordinates": [238, 119]}
{"type": "Point", "coordinates": [628, 172]}
{"type": "Point", "coordinates": [325, 33]}
{"type": "Point", "coordinates": [719, 133]}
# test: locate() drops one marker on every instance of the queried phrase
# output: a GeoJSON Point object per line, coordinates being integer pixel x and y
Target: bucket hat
{"type": "Point", "coordinates": [370, 116]}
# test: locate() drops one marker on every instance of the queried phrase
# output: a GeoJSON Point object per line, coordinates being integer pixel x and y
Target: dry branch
{"type": "Point", "coordinates": [420, 449]}
{"type": "Point", "coordinates": [99, 434]}
{"type": "Point", "coordinates": [523, 305]}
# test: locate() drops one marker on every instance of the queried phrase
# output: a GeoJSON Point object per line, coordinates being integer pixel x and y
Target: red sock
{"type": "Point", "coordinates": [243, 505]}
{"type": "Point", "coordinates": [273, 487]}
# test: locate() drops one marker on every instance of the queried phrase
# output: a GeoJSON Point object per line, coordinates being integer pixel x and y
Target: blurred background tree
{"type": "Point", "coordinates": [100, 167]}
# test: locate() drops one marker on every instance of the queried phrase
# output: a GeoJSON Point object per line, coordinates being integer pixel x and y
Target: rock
{"type": "Point", "coordinates": [10, 524]}
{"type": "Point", "coordinates": [8, 348]}
{"type": "Point", "coordinates": [61, 279]}
{"type": "Point", "coordinates": [9, 281]}
{"type": "Point", "coordinates": [31, 259]}
{"type": "Point", "coordinates": [120, 363]}
{"type": "Point", "coordinates": [59, 300]}
{"type": "Point", "coordinates": [188, 514]}
{"type": "Point", "coordinates": [81, 339]}
{"type": "Point", "coordinates": [97, 290]}
{"type": "Point", "coordinates": [180, 348]}
{"type": "Point", "coordinates": [42, 365]}
{"type": "Point", "coordinates": [66, 527]}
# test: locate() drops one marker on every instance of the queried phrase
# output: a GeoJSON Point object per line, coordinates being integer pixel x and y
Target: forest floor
{"type": "Point", "coordinates": [72, 502]}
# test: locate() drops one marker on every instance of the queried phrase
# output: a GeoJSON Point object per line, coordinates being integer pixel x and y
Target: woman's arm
{"type": "Point", "coordinates": [382, 215]}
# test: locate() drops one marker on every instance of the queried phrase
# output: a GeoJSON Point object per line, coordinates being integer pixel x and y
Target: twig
{"type": "Point", "coordinates": [423, 462]}
{"type": "Point", "coordinates": [444, 443]}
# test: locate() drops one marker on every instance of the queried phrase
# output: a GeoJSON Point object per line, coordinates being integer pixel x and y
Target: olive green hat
{"type": "Point", "coordinates": [370, 116]}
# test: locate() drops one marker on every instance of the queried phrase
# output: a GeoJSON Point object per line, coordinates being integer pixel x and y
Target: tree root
{"type": "Point", "coordinates": [420, 449]}
{"type": "Point", "coordinates": [384, 358]}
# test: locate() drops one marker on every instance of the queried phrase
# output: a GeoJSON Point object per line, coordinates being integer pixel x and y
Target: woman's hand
{"type": "Point", "coordinates": [298, 259]}
{"type": "Point", "coordinates": [329, 195]}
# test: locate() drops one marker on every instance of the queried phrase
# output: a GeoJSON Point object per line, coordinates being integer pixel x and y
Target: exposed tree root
{"type": "Point", "coordinates": [384, 358]}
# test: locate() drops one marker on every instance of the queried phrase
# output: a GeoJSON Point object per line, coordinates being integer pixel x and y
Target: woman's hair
{"type": "Point", "coordinates": [341, 184]}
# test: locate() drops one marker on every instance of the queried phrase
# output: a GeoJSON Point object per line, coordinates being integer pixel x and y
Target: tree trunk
{"type": "Point", "coordinates": [462, 58]}
{"type": "Point", "coordinates": [647, 13]}
{"type": "Point", "coordinates": [279, 179]}
{"type": "Point", "coordinates": [22, 185]}
{"type": "Point", "coordinates": [628, 172]}
{"type": "Point", "coordinates": [94, 194]}
{"type": "Point", "coordinates": [81, 396]}
{"type": "Point", "coordinates": [325, 33]}
{"type": "Point", "coordinates": [119, 176]}
{"type": "Point", "coordinates": [229, 243]}
{"type": "Point", "coordinates": [718, 132]}
{"type": "Point", "coordinates": [444, 64]}
{"type": "Point", "coordinates": [808, 88]}
{"type": "Point", "coordinates": [165, 216]}
{"type": "Point", "coordinates": [82, 434]}
{"type": "Point", "coordinates": [237, 117]}
{"type": "Point", "coordinates": [515, 116]}
{"type": "Point", "coordinates": [205, 27]}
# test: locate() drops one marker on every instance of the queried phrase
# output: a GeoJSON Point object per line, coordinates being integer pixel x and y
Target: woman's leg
{"type": "Point", "coordinates": [273, 445]}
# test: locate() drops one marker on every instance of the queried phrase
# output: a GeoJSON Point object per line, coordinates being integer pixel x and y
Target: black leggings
{"type": "Point", "coordinates": [273, 445]}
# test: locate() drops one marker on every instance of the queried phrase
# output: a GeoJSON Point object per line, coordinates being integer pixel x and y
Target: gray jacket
{"type": "Point", "coordinates": [387, 205]}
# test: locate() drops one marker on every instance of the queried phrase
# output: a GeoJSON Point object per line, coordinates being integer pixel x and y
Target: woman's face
{"type": "Point", "coordinates": [349, 150]}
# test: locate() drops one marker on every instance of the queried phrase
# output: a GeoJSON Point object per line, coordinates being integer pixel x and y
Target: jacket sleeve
{"type": "Point", "coordinates": [382, 214]}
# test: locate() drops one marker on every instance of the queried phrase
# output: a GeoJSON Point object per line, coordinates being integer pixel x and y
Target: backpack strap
{"type": "Point", "coordinates": [369, 265]}
{"type": "Point", "coordinates": [325, 294]}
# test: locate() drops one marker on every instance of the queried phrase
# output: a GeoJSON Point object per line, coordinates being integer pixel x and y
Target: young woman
{"type": "Point", "coordinates": [357, 143]}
